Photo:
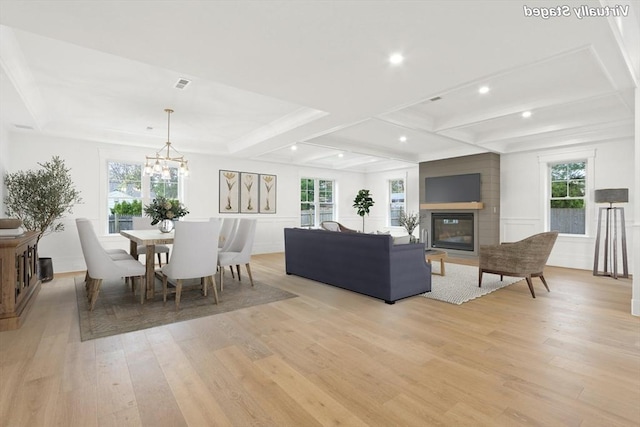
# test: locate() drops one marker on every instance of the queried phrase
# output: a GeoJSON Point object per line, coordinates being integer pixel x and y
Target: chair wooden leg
{"type": "Point", "coordinates": [480, 278]}
{"type": "Point", "coordinates": [96, 290]}
{"type": "Point", "coordinates": [212, 278]}
{"type": "Point", "coordinates": [164, 288]}
{"type": "Point", "coordinates": [221, 279]}
{"type": "Point", "coordinates": [248, 272]}
{"type": "Point", "coordinates": [238, 270]}
{"type": "Point", "coordinates": [544, 282]}
{"type": "Point", "coordinates": [178, 292]}
{"type": "Point", "coordinates": [159, 259]}
{"type": "Point", "coordinates": [533, 294]}
{"type": "Point", "coordinates": [233, 276]}
{"type": "Point", "coordinates": [205, 285]}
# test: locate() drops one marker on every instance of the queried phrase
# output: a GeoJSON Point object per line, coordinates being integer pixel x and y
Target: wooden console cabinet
{"type": "Point", "coordinates": [20, 284]}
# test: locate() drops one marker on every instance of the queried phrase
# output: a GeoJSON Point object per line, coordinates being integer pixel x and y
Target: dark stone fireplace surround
{"type": "Point", "coordinates": [486, 213]}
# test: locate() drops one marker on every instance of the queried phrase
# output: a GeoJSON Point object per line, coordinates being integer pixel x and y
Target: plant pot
{"type": "Point", "coordinates": [45, 269]}
{"type": "Point", "coordinates": [166, 225]}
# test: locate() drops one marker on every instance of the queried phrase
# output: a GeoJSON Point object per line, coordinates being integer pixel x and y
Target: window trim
{"type": "Point", "coordinates": [404, 207]}
{"type": "Point", "coordinates": [316, 200]}
{"type": "Point", "coordinates": [545, 162]}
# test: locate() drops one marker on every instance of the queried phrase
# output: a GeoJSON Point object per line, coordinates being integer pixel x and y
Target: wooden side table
{"type": "Point", "coordinates": [435, 255]}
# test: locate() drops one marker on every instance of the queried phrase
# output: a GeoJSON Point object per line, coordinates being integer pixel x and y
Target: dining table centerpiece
{"type": "Point", "coordinates": [164, 211]}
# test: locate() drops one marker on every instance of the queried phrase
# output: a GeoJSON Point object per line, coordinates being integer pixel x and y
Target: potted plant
{"type": "Point", "coordinates": [40, 198]}
{"type": "Point", "coordinates": [409, 221]}
{"type": "Point", "coordinates": [165, 211]}
{"type": "Point", "coordinates": [362, 203]}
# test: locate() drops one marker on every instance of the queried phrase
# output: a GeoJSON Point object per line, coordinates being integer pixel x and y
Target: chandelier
{"type": "Point", "coordinates": [159, 164]}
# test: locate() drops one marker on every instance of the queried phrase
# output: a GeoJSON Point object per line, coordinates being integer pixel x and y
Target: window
{"type": "Point", "coordinates": [129, 190]}
{"type": "Point", "coordinates": [567, 203]}
{"type": "Point", "coordinates": [396, 201]}
{"type": "Point", "coordinates": [316, 201]}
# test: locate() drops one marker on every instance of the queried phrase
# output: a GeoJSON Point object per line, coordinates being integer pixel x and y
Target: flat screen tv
{"type": "Point", "coordinates": [453, 188]}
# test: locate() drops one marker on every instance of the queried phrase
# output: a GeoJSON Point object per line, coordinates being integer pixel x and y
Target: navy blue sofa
{"type": "Point", "coordinates": [369, 264]}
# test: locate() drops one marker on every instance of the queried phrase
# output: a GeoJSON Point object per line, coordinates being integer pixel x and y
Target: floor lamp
{"type": "Point", "coordinates": [612, 217]}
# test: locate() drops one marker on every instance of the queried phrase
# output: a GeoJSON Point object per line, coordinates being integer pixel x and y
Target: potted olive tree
{"type": "Point", "coordinates": [40, 198]}
{"type": "Point", "coordinates": [363, 203]}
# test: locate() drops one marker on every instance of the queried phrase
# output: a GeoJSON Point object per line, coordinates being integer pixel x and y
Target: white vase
{"type": "Point", "coordinates": [166, 225]}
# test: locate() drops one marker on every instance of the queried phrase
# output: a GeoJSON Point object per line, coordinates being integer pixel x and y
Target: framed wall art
{"type": "Point", "coordinates": [267, 193]}
{"type": "Point", "coordinates": [249, 184]}
{"type": "Point", "coordinates": [229, 192]}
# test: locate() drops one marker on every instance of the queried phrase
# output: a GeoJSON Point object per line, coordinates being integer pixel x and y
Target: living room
{"type": "Point", "coordinates": [583, 103]}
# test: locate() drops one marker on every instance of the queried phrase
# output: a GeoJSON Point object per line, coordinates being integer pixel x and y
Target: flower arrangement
{"type": "Point", "coordinates": [162, 208]}
{"type": "Point", "coordinates": [409, 221]}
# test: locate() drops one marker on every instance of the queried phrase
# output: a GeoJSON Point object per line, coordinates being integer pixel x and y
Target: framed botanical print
{"type": "Point", "coordinates": [229, 192]}
{"type": "Point", "coordinates": [267, 194]}
{"type": "Point", "coordinates": [249, 184]}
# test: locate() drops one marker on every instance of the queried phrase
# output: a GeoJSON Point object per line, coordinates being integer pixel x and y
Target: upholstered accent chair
{"type": "Point", "coordinates": [336, 226]}
{"type": "Point", "coordinates": [525, 258]}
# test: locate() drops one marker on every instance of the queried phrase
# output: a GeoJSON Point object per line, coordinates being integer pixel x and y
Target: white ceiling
{"type": "Point", "coordinates": [271, 74]}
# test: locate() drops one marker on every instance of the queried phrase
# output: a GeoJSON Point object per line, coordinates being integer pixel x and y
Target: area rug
{"type": "Point", "coordinates": [460, 284]}
{"type": "Point", "coordinates": [118, 311]}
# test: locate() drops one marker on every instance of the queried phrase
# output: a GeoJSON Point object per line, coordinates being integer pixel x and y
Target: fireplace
{"type": "Point", "coordinates": [452, 230]}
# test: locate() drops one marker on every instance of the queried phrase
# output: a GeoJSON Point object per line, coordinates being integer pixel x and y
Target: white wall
{"type": "Point", "coordinates": [522, 198]}
{"type": "Point", "coordinates": [4, 161]}
{"type": "Point", "coordinates": [87, 159]}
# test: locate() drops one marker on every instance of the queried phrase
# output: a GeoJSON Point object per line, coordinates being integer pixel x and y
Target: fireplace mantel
{"type": "Point", "coordinates": [462, 205]}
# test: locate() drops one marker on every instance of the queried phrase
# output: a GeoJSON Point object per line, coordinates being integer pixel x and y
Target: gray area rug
{"type": "Point", "coordinates": [118, 310]}
{"type": "Point", "coordinates": [461, 284]}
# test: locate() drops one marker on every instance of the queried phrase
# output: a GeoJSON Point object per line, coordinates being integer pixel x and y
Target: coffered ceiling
{"type": "Point", "coordinates": [268, 76]}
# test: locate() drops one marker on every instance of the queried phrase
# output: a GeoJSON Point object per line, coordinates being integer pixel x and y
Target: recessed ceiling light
{"type": "Point", "coordinates": [483, 90]}
{"type": "Point", "coordinates": [340, 155]}
{"type": "Point", "coordinates": [403, 138]}
{"type": "Point", "coordinates": [396, 59]}
{"type": "Point", "coordinates": [294, 147]}
{"type": "Point", "coordinates": [526, 114]}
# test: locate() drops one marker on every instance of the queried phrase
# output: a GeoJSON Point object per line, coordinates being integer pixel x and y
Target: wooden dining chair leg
{"type": "Point", "coordinates": [238, 270]}
{"type": "Point", "coordinates": [164, 288]}
{"type": "Point", "coordinates": [233, 276]}
{"type": "Point", "coordinates": [221, 279]}
{"type": "Point", "coordinates": [204, 284]}
{"type": "Point", "coordinates": [178, 292]}
{"type": "Point", "coordinates": [160, 259]}
{"type": "Point", "coordinates": [96, 291]}
{"type": "Point", "coordinates": [248, 272]}
{"type": "Point", "coordinates": [212, 278]}
{"type": "Point", "coordinates": [141, 289]}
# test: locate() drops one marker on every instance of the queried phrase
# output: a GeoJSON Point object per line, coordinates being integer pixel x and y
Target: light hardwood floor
{"type": "Point", "coordinates": [332, 357]}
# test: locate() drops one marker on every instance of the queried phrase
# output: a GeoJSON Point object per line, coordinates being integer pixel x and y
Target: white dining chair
{"type": "Point", "coordinates": [144, 223]}
{"type": "Point", "coordinates": [239, 251]}
{"type": "Point", "coordinates": [101, 266]}
{"type": "Point", "coordinates": [227, 231]}
{"type": "Point", "coordinates": [193, 256]}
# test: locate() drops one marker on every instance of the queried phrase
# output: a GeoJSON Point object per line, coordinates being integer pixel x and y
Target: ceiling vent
{"type": "Point", "coordinates": [435, 98]}
{"type": "Point", "coordinates": [182, 83]}
{"type": "Point", "coordinates": [23, 127]}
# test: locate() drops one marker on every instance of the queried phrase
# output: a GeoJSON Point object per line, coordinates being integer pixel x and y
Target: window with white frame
{"type": "Point", "coordinates": [128, 190]}
{"type": "Point", "coordinates": [396, 201]}
{"type": "Point", "coordinates": [317, 201]}
{"type": "Point", "coordinates": [567, 201]}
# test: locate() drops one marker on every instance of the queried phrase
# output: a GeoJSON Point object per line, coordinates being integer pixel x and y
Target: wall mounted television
{"type": "Point", "coordinates": [453, 188]}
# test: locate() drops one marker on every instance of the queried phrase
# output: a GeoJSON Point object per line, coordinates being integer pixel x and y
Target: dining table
{"type": "Point", "coordinates": [149, 239]}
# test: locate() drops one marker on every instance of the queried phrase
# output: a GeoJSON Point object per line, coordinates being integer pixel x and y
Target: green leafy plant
{"type": "Point", "coordinates": [125, 208]}
{"type": "Point", "coordinates": [40, 198]}
{"type": "Point", "coordinates": [363, 202]}
{"type": "Point", "coordinates": [162, 208]}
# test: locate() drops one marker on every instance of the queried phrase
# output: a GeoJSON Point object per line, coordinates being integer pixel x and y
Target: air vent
{"type": "Point", "coordinates": [182, 83]}
{"type": "Point", "coordinates": [24, 127]}
{"type": "Point", "coordinates": [435, 98]}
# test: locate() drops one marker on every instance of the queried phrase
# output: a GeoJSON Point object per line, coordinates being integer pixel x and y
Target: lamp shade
{"type": "Point", "coordinates": [612, 195]}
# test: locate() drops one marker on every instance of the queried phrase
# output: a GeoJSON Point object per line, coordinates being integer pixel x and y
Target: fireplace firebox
{"type": "Point", "coordinates": [452, 231]}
